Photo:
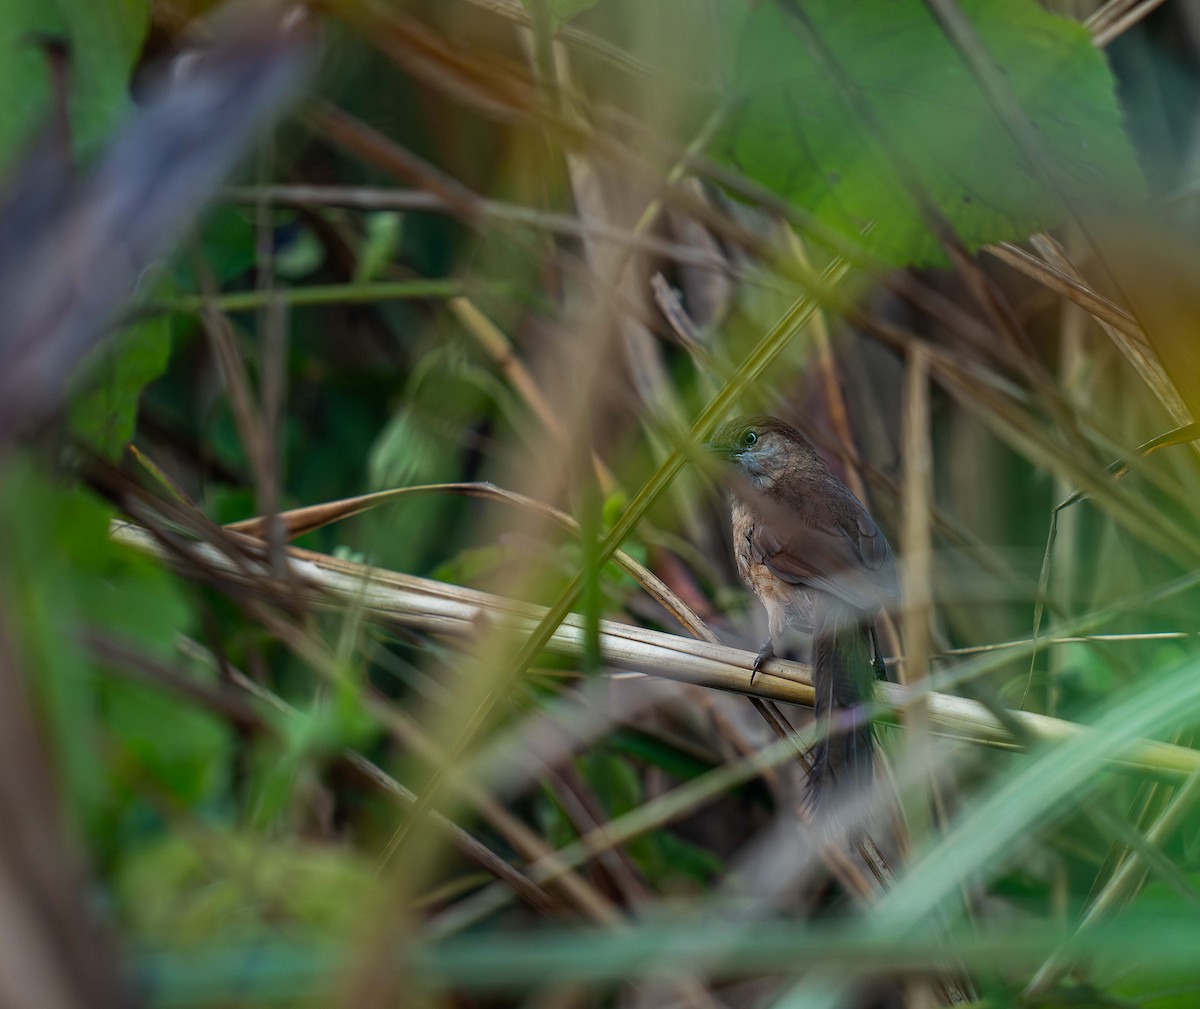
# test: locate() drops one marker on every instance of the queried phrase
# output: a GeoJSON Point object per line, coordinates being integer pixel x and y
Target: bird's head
{"type": "Point", "coordinates": [762, 447]}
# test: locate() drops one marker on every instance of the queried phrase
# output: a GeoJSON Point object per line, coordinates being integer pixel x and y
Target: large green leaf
{"type": "Point", "coordinates": [852, 109]}
{"type": "Point", "coordinates": [103, 39]}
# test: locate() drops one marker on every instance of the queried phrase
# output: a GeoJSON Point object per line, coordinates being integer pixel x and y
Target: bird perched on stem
{"type": "Point", "coordinates": [807, 548]}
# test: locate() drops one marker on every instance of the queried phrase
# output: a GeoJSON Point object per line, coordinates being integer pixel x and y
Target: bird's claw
{"type": "Point", "coordinates": [880, 667]}
{"type": "Point", "coordinates": [767, 651]}
{"type": "Point", "coordinates": [877, 659]}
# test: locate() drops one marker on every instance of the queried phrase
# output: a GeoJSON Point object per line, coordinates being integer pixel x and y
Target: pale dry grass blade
{"type": "Point", "coordinates": [1117, 17]}
{"type": "Point", "coordinates": [1070, 286]}
{"type": "Point", "coordinates": [419, 200]}
{"type": "Point", "coordinates": [917, 579]}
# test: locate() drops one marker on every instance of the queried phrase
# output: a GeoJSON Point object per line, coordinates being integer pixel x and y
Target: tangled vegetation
{"type": "Point", "coordinates": [370, 633]}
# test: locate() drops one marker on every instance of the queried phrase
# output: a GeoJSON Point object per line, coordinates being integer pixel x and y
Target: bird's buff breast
{"type": "Point", "coordinates": [786, 603]}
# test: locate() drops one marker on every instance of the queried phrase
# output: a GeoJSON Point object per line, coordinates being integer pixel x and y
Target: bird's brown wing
{"type": "Point", "coordinates": [876, 553]}
{"type": "Point", "coordinates": [839, 551]}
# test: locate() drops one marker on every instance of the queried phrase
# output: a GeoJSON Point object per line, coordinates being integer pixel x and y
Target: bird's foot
{"type": "Point", "coordinates": [880, 667]}
{"type": "Point", "coordinates": [767, 651]}
{"type": "Point", "coordinates": [877, 661]}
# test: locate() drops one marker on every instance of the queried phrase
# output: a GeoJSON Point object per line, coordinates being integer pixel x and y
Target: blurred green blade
{"type": "Point", "coordinates": [67, 268]}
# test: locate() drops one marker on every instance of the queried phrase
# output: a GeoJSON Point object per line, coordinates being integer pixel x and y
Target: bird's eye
{"type": "Point", "coordinates": [750, 438]}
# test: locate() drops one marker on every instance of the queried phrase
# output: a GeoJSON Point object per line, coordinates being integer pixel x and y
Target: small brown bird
{"type": "Point", "coordinates": [807, 548]}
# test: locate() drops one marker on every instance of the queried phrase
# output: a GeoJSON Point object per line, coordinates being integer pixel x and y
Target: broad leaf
{"type": "Point", "coordinates": [859, 112]}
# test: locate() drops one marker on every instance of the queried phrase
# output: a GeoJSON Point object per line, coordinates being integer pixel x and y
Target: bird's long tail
{"type": "Point", "coordinates": [843, 677]}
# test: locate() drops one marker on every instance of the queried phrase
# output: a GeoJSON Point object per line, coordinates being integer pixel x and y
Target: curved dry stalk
{"type": "Point", "coordinates": [299, 521]}
{"type": "Point", "coordinates": [439, 608]}
{"type": "Point", "coordinates": [306, 519]}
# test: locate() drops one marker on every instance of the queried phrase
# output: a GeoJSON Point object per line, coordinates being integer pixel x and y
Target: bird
{"type": "Point", "coordinates": [814, 557]}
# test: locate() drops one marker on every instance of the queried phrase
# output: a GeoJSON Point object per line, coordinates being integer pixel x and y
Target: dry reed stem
{"type": "Point", "coordinates": [439, 608]}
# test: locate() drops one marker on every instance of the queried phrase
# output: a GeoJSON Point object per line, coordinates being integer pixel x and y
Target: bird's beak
{"type": "Point", "coordinates": [719, 449]}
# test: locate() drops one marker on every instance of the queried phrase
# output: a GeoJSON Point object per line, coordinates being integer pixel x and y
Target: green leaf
{"type": "Point", "coordinates": [301, 256]}
{"type": "Point", "coordinates": [659, 752]}
{"type": "Point", "coordinates": [853, 110]}
{"type": "Point", "coordinates": [227, 243]}
{"type": "Point", "coordinates": [384, 232]}
{"type": "Point", "coordinates": [106, 415]}
{"type": "Point", "coordinates": [1084, 676]}
{"type": "Point", "coordinates": [684, 861]}
{"type": "Point", "coordinates": [615, 781]}
{"type": "Point", "coordinates": [470, 564]}
{"type": "Point", "coordinates": [405, 453]}
{"type": "Point", "coordinates": [443, 396]}
{"type": "Point", "coordinates": [1165, 988]}
{"type": "Point", "coordinates": [104, 38]}
{"type": "Point", "coordinates": [663, 858]}
{"type": "Point", "coordinates": [326, 727]}
{"type": "Point", "coordinates": [176, 747]}
{"type": "Point", "coordinates": [60, 575]}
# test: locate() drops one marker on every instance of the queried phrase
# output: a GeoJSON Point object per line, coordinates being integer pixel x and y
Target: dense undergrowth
{"type": "Point", "coordinates": [448, 296]}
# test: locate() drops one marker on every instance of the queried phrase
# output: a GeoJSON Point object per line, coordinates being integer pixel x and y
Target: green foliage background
{"type": "Point", "coordinates": [253, 784]}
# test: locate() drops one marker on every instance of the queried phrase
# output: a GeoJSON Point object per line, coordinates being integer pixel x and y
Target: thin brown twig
{"type": "Point", "coordinates": [572, 886]}
{"type": "Point", "coordinates": [66, 959]}
{"type": "Point", "coordinates": [224, 345]}
{"type": "Point", "coordinates": [497, 346]}
{"type": "Point", "coordinates": [420, 200]}
{"type": "Point", "coordinates": [312, 651]}
{"type": "Point", "coordinates": [352, 134]}
{"type": "Point", "coordinates": [582, 808]}
{"type": "Point", "coordinates": [613, 55]}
